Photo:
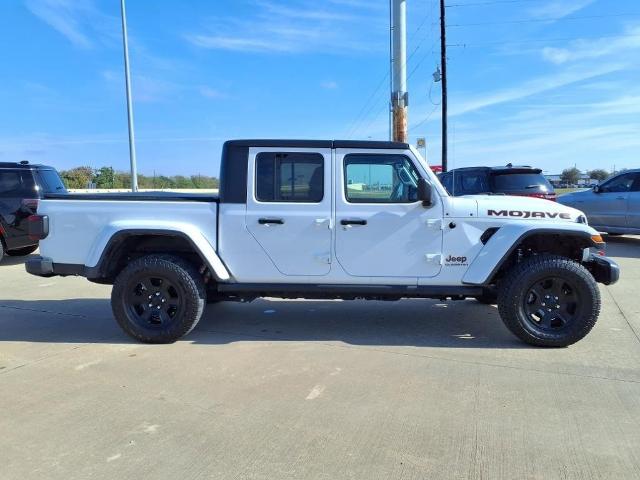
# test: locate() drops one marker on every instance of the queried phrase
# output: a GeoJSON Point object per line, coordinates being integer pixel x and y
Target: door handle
{"type": "Point", "coordinates": [353, 222]}
{"type": "Point", "coordinates": [621, 198]}
{"type": "Point", "coordinates": [270, 221]}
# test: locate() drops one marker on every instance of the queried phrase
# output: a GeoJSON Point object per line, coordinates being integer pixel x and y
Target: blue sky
{"type": "Point", "coordinates": [550, 83]}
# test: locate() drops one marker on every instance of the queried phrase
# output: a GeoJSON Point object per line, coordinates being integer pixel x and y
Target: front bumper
{"type": "Point", "coordinates": [603, 269]}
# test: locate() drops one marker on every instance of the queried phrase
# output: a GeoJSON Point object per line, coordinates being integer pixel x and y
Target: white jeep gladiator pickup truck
{"type": "Point", "coordinates": [326, 219]}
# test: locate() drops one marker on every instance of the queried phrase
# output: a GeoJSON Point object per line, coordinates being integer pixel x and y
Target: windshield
{"type": "Point", "coordinates": [50, 182]}
{"type": "Point", "coordinates": [511, 182]}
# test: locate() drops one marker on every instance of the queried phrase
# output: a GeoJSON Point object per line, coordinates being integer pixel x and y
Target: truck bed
{"type": "Point", "coordinates": [137, 196]}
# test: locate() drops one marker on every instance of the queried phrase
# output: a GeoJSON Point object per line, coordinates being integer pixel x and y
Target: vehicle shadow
{"type": "Point", "coordinates": [418, 323]}
{"type": "Point", "coordinates": [627, 246]}
{"type": "Point", "coordinates": [9, 260]}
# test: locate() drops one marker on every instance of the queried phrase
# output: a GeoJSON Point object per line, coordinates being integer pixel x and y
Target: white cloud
{"type": "Point", "coordinates": [329, 85]}
{"type": "Point", "coordinates": [212, 93]}
{"type": "Point", "coordinates": [78, 20]}
{"type": "Point", "coordinates": [590, 49]}
{"type": "Point", "coordinates": [531, 87]}
{"type": "Point", "coordinates": [557, 9]}
{"type": "Point", "coordinates": [297, 27]}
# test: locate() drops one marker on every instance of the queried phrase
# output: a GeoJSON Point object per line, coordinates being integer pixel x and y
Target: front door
{"type": "Point", "coordinates": [289, 208]}
{"type": "Point", "coordinates": [382, 230]}
{"type": "Point", "coordinates": [608, 207]}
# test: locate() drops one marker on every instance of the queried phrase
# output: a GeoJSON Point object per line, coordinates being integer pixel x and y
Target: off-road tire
{"type": "Point", "coordinates": [187, 284]}
{"type": "Point", "coordinates": [21, 252]}
{"type": "Point", "coordinates": [514, 296]}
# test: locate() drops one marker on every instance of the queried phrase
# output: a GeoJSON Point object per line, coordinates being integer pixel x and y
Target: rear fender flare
{"type": "Point", "coordinates": [113, 235]}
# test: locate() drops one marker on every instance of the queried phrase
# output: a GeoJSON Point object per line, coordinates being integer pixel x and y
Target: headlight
{"type": "Point", "coordinates": [582, 219]}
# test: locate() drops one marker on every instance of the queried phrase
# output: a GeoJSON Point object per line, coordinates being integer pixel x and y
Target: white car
{"type": "Point", "coordinates": [326, 219]}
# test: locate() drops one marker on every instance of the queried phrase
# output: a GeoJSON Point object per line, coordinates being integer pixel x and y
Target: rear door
{"type": "Point", "coordinates": [289, 208]}
{"type": "Point", "coordinates": [382, 230]}
{"type": "Point", "coordinates": [633, 205]}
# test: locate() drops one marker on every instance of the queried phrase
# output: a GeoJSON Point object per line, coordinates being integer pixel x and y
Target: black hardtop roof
{"type": "Point", "coordinates": [26, 166]}
{"type": "Point", "coordinates": [317, 144]}
{"type": "Point", "coordinates": [500, 169]}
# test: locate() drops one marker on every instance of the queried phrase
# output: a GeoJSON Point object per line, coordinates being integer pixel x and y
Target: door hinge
{"type": "Point", "coordinates": [434, 258]}
{"type": "Point", "coordinates": [435, 223]}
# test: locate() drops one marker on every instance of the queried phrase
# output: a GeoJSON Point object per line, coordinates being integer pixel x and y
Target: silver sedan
{"type": "Point", "coordinates": [613, 206]}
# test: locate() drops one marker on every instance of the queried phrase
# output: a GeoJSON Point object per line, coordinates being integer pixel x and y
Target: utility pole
{"type": "Point", "coordinates": [443, 62]}
{"type": "Point", "coordinates": [399, 95]}
{"type": "Point", "coordinates": [127, 74]}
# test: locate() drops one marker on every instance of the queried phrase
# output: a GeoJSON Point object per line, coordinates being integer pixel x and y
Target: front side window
{"type": "Point", "coordinates": [473, 183]}
{"type": "Point", "coordinates": [289, 177]}
{"type": "Point", "coordinates": [619, 184]}
{"type": "Point", "coordinates": [371, 178]}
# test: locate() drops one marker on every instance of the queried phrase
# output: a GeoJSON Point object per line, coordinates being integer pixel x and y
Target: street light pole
{"type": "Point", "coordinates": [127, 74]}
{"type": "Point", "coordinates": [443, 61]}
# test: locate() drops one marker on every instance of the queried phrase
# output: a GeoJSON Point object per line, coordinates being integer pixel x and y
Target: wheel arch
{"type": "Point", "coordinates": [126, 244]}
{"type": "Point", "coordinates": [503, 247]}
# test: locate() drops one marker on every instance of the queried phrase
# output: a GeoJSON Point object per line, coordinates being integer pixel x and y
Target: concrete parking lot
{"type": "Point", "coordinates": [414, 389]}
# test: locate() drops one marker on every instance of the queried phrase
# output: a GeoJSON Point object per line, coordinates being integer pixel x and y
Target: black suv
{"type": "Point", "coordinates": [21, 187]}
{"type": "Point", "coordinates": [509, 180]}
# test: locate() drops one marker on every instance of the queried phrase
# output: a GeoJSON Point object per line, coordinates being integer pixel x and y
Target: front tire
{"type": "Point", "coordinates": [1, 251]}
{"type": "Point", "coordinates": [158, 298]}
{"type": "Point", "coordinates": [549, 301]}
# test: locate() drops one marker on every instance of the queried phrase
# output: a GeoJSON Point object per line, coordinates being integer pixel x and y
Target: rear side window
{"type": "Point", "coordinates": [50, 181]}
{"type": "Point", "coordinates": [289, 177]}
{"type": "Point", "coordinates": [16, 183]}
{"type": "Point", "coordinates": [511, 182]}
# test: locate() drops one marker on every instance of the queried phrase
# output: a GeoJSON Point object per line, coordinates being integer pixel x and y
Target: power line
{"type": "Point", "coordinates": [492, 2]}
{"type": "Point", "coordinates": [542, 20]}
{"type": "Point", "coordinates": [541, 40]}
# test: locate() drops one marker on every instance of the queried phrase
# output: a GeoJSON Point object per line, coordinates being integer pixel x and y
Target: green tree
{"type": "Point", "coordinates": [78, 177]}
{"type": "Point", "coordinates": [599, 174]}
{"type": "Point", "coordinates": [570, 175]}
{"type": "Point", "coordinates": [105, 178]}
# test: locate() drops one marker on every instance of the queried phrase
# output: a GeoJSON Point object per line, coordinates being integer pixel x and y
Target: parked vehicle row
{"type": "Point", "coordinates": [328, 219]}
{"type": "Point", "coordinates": [613, 206]}
{"type": "Point", "coordinates": [22, 185]}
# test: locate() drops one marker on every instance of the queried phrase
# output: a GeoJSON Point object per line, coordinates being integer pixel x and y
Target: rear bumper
{"type": "Point", "coordinates": [603, 269]}
{"type": "Point", "coordinates": [44, 267]}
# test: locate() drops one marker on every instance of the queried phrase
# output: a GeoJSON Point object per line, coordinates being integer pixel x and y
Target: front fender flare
{"type": "Point", "coordinates": [504, 242]}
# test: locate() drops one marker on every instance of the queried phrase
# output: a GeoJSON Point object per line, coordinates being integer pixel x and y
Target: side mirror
{"type": "Point", "coordinates": [597, 189]}
{"type": "Point", "coordinates": [424, 192]}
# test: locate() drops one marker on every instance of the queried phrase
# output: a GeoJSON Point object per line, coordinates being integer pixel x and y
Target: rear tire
{"type": "Point", "coordinates": [21, 252]}
{"type": "Point", "coordinates": [158, 298]}
{"type": "Point", "coordinates": [549, 301]}
{"type": "Point", "coordinates": [1, 251]}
